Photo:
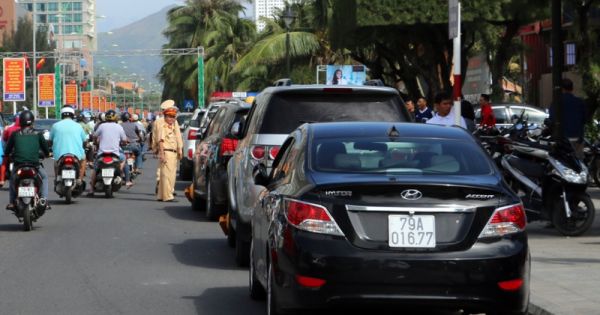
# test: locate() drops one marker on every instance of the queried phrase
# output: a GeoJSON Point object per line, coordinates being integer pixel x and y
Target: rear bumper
{"type": "Point", "coordinates": [466, 280]}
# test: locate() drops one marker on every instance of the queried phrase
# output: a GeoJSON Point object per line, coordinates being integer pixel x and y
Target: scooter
{"type": "Point", "coordinates": [550, 180]}
{"type": "Point", "coordinates": [66, 184]}
{"type": "Point", "coordinates": [108, 174]}
{"type": "Point", "coordinates": [29, 207]}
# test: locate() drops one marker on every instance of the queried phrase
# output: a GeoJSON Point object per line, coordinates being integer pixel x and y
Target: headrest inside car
{"type": "Point", "coordinates": [347, 162]}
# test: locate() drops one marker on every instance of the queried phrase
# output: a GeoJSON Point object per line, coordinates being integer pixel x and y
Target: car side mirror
{"type": "Point", "coordinates": [260, 175]}
{"type": "Point", "coordinates": [235, 129]}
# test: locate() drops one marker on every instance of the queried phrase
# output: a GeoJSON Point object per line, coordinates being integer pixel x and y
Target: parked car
{"type": "Point", "coordinates": [183, 119]}
{"type": "Point", "coordinates": [357, 213]}
{"type": "Point", "coordinates": [274, 114]}
{"type": "Point", "coordinates": [189, 144]}
{"type": "Point", "coordinates": [198, 124]}
{"type": "Point", "coordinates": [210, 160]}
{"type": "Point", "coordinates": [44, 126]}
{"type": "Point", "coordinates": [505, 112]}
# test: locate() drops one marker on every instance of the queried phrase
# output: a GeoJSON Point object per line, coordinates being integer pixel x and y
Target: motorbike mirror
{"type": "Point", "coordinates": [260, 175]}
{"type": "Point", "coordinates": [519, 126]}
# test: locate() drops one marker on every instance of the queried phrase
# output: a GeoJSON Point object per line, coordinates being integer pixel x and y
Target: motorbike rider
{"type": "Point", "coordinates": [24, 147]}
{"type": "Point", "coordinates": [134, 137]}
{"type": "Point", "coordinates": [68, 137]}
{"type": "Point", "coordinates": [109, 136]}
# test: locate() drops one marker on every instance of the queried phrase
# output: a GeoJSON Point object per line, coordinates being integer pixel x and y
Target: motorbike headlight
{"type": "Point", "coordinates": [569, 174]}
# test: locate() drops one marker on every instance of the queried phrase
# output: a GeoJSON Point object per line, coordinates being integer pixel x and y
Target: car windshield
{"type": "Point", "coordinates": [420, 156]}
{"type": "Point", "coordinates": [44, 124]}
{"type": "Point", "coordinates": [183, 118]}
{"type": "Point", "coordinates": [288, 111]}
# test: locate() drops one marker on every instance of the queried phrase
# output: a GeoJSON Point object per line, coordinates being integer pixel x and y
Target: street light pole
{"type": "Point", "coordinates": [288, 19]}
{"type": "Point", "coordinates": [33, 79]}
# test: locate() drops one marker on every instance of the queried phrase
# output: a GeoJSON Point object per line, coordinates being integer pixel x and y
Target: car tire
{"type": "Point", "coordinates": [185, 171]}
{"type": "Point", "coordinates": [230, 233]}
{"type": "Point", "coordinates": [242, 252]}
{"type": "Point", "coordinates": [212, 212]}
{"type": "Point", "coordinates": [273, 307]}
{"type": "Point", "coordinates": [257, 292]}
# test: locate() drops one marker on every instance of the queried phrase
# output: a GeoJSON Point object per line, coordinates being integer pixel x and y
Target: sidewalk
{"type": "Point", "coordinates": [565, 271]}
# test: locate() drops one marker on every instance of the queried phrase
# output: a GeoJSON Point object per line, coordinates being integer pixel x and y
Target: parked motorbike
{"type": "Point", "coordinates": [108, 174]}
{"type": "Point", "coordinates": [591, 159]}
{"type": "Point", "coordinates": [29, 207]}
{"type": "Point", "coordinates": [549, 178]}
{"type": "Point", "coordinates": [66, 184]}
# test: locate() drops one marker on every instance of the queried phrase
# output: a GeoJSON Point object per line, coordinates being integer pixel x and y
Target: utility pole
{"type": "Point", "coordinates": [557, 68]}
{"type": "Point", "coordinates": [454, 34]}
{"type": "Point", "coordinates": [34, 65]}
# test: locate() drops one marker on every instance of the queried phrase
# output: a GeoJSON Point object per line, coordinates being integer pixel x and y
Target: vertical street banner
{"type": "Point", "coordinates": [104, 103]}
{"type": "Point", "coordinates": [13, 86]}
{"type": "Point", "coordinates": [96, 103]}
{"type": "Point", "coordinates": [86, 100]}
{"type": "Point", "coordinates": [45, 86]}
{"type": "Point", "coordinates": [71, 95]}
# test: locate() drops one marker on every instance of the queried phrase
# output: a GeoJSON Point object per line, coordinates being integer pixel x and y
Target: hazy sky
{"type": "Point", "coordinates": [122, 12]}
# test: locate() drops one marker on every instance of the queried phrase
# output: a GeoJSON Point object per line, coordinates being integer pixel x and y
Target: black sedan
{"type": "Point", "coordinates": [213, 150]}
{"type": "Point", "coordinates": [410, 214]}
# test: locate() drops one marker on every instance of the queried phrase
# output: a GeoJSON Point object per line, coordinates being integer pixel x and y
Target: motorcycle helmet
{"type": "Point", "coordinates": [125, 117]}
{"type": "Point", "coordinates": [135, 117]}
{"type": "Point", "coordinates": [111, 115]}
{"type": "Point", "coordinates": [26, 119]}
{"type": "Point", "coordinates": [67, 112]}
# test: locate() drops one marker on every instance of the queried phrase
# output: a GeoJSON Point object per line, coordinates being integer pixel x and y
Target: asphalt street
{"type": "Point", "coordinates": [127, 255]}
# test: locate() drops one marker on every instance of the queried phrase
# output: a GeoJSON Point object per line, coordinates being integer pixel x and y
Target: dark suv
{"type": "Point", "coordinates": [277, 111]}
{"type": "Point", "coordinates": [211, 156]}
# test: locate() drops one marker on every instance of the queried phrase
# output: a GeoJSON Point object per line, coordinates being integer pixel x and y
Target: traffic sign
{"type": "Point", "coordinates": [453, 19]}
{"type": "Point", "coordinates": [188, 105]}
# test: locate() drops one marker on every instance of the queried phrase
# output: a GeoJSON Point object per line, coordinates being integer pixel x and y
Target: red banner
{"type": "Point", "coordinates": [86, 100]}
{"type": "Point", "coordinates": [71, 95]}
{"type": "Point", "coordinates": [14, 79]}
{"type": "Point", "coordinates": [46, 88]}
{"type": "Point", "coordinates": [96, 103]}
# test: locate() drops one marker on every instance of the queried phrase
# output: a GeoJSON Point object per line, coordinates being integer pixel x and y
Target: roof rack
{"type": "Point", "coordinates": [283, 82]}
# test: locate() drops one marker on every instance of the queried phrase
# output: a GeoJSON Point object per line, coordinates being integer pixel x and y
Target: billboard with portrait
{"type": "Point", "coordinates": [346, 75]}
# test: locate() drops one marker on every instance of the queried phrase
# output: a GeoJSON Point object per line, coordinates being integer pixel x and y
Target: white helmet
{"type": "Point", "coordinates": [67, 111]}
{"type": "Point", "coordinates": [135, 117]}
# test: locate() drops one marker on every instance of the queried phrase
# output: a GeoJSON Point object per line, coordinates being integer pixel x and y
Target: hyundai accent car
{"type": "Point", "coordinates": [390, 213]}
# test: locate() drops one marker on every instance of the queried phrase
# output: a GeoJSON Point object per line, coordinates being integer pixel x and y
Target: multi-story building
{"type": "Point", "coordinates": [7, 18]}
{"type": "Point", "coordinates": [265, 8]}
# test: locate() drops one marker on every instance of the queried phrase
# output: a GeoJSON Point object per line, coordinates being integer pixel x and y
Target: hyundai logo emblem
{"type": "Point", "coordinates": [411, 194]}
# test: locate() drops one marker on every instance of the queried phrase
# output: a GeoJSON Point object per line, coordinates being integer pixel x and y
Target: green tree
{"type": "Point", "coordinates": [189, 26]}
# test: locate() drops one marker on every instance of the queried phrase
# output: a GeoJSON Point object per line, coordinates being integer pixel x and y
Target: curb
{"type": "Point", "coordinates": [537, 310]}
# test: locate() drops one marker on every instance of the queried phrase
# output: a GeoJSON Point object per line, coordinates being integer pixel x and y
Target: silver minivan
{"type": "Point", "coordinates": [276, 112]}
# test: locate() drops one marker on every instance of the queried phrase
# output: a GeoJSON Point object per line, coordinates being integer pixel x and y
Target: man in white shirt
{"type": "Point", "coordinates": [445, 112]}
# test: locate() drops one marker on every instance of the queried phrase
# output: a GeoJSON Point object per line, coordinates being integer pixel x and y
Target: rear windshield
{"type": "Point", "coordinates": [288, 111]}
{"type": "Point", "coordinates": [405, 156]}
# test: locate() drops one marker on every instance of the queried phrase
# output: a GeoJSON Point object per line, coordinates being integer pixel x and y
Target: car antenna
{"type": "Point", "coordinates": [393, 132]}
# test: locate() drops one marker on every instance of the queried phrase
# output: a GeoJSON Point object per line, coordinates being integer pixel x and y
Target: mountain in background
{"type": "Point", "coordinates": [141, 35]}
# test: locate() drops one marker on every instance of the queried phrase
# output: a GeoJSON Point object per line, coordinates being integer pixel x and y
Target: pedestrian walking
{"type": "Point", "coordinates": [423, 112]}
{"type": "Point", "coordinates": [170, 151]}
{"type": "Point", "coordinates": [468, 113]}
{"type": "Point", "coordinates": [410, 106]}
{"type": "Point", "coordinates": [573, 114]}
{"type": "Point", "coordinates": [488, 119]}
{"type": "Point", "coordinates": [445, 113]}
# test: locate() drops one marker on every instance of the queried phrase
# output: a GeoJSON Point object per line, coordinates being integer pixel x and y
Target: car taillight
{"type": "Point", "coordinates": [258, 152]}
{"type": "Point", "coordinates": [506, 220]}
{"type": "Point", "coordinates": [69, 160]}
{"type": "Point", "coordinates": [273, 152]}
{"type": "Point", "coordinates": [190, 154]}
{"type": "Point", "coordinates": [192, 134]}
{"type": "Point", "coordinates": [311, 217]}
{"type": "Point", "coordinates": [310, 282]}
{"type": "Point", "coordinates": [511, 285]}
{"type": "Point", "coordinates": [26, 172]}
{"type": "Point", "coordinates": [228, 146]}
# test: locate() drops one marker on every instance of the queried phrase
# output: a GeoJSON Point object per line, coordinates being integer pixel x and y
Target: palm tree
{"type": "Point", "coordinates": [192, 25]}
